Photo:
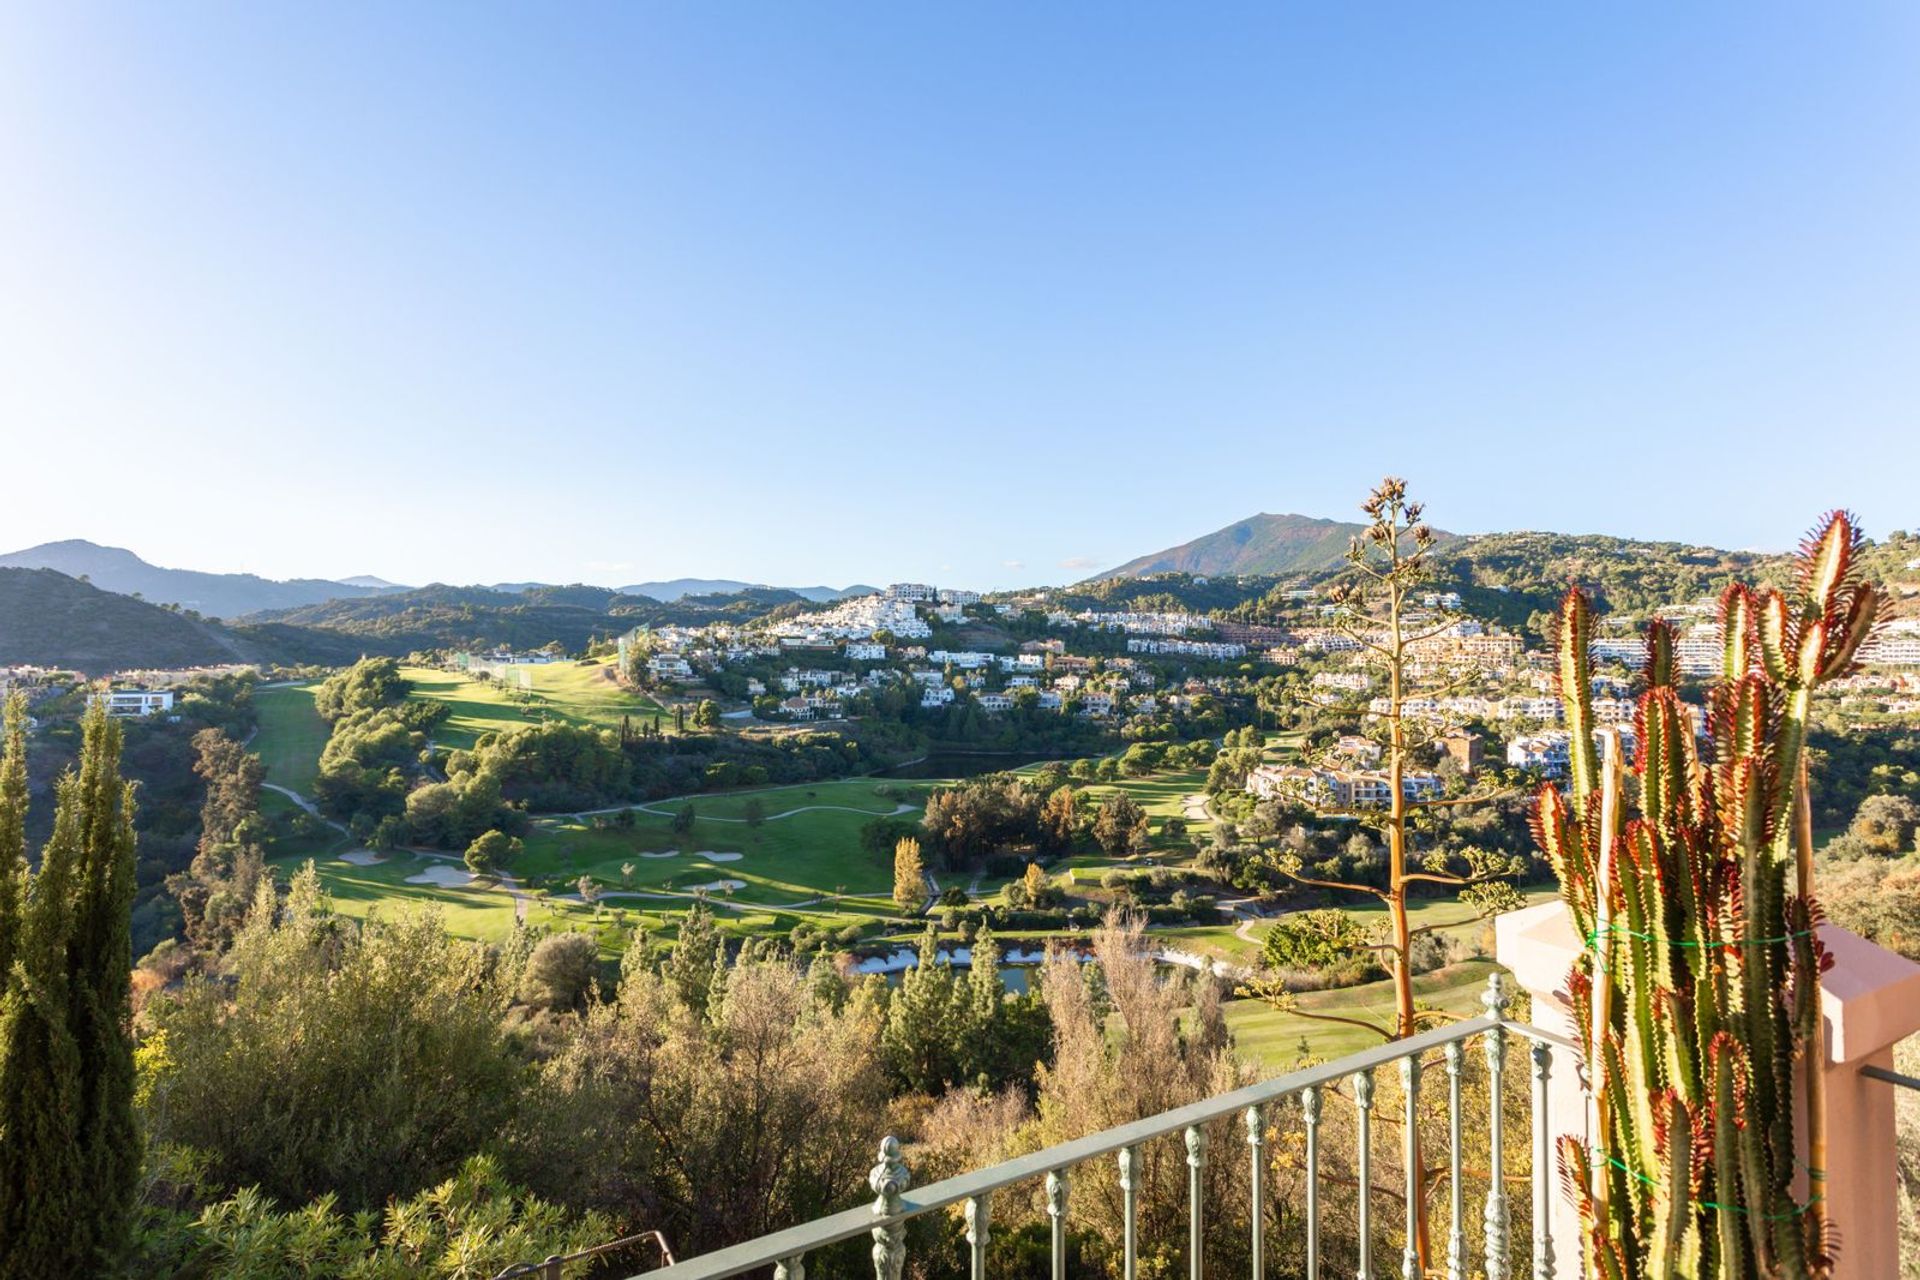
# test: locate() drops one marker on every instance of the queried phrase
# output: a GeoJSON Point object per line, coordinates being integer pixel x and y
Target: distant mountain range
{"type": "Point", "coordinates": [1259, 545]}
{"type": "Point", "coordinates": [214, 595]}
{"type": "Point", "coordinates": [48, 619]}
{"type": "Point", "coordinates": [236, 595]}
{"type": "Point", "coordinates": [670, 591]}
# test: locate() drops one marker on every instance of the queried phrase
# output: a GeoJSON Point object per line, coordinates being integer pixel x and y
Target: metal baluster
{"type": "Point", "coordinates": [889, 1181]}
{"type": "Point", "coordinates": [1457, 1199]}
{"type": "Point", "coordinates": [1410, 1151]}
{"type": "Point", "coordinates": [1196, 1211]}
{"type": "Point", "coordinates": [1310, 1114]}
{"type": "Point", "coordinates": [1363, 1103]}
{"type": "Point", "coordinates": [1542, 1159]}
{"type": "Point", "coordinates": [1129, 1195]}
{"type": "Point", "coordinates": [794, 1268]}
{"type": "Point", "coordinates": [1057, 1211]}
{"type": "Point", "coordinates": [1498, 1265]}
{"type": "Point", "coordinates": [979, 1213]}
{"type": "Point", "coordinates": [1257, 1195]}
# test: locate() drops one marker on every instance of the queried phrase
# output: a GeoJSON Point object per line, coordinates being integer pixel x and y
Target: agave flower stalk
{"type": "Point", "coordinates": [1690, 877]}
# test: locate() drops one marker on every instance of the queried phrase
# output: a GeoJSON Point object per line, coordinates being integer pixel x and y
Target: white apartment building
{"type": "Point", "coordinates": [1629, 650]}
{"type": "Point", "coordinates": [1896, 644]}
{"type": "Point", "coordinates": [1551, 752]}
{"type": "Point", "coordinates": [1700, 650]}
{"type": "Point", "coordinates": [1337, 788]}
{"type": "Point", "coordinates": [963, 659]}
{"type": "Point", "coordinates": [912, 592]}
{"type": "Point", "coordinates": [128, 704]}
{"type": "Point", "coordinates": [1214, 650]}
{"type": "Point", "coordinates": [1613, 710]}
{"type": "Point", "coordinates": [669, 667]}
{"type": "Point", "coordinates": [865, 651]}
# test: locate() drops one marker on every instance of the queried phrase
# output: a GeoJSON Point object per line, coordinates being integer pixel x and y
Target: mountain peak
{"type": "Point", "coordinates": [218, 595]}
{"type": "Point", "coordinates": [1266, 543]}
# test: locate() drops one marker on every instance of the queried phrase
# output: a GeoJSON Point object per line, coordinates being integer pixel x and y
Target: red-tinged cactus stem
{"type": "Point", "coordinates": [1576, 692]}
{"type": "Point", "coordinates": [1736, 613]}
{"type": "Point", "coordinates": [1601, 1017]}
{"type": "Point", "coordinates": [1814, 1032]}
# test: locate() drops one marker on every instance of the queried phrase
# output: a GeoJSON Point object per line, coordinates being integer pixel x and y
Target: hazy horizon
{"type": "Point", "coordinates": [993, 296]}
{"type": "Point", "coordinates": [1060, 577]}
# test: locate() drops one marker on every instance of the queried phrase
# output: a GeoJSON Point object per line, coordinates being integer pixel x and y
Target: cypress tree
{"type": "Point", "coordinates": [69, 1148]}
{"type": "Point", "coordinates": [13, 830]}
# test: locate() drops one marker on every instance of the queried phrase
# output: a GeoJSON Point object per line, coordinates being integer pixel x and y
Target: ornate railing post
{"type": "Point", "coordinates": [794, 1268]}
{"type": "Point", "coordinates": [889, 1182]}
{"type": "Point", "coordinates": [1542, 1161]}
{"type": "Point", "coordinates": [1456, 1194]}
{"type": "Point", "coordinates": [1057, 1220]}
{"type": "Point", "coordinates": [1310, 1118]}
{"type": "Point", "coordinates": [1410, 1156]}
{"type": "Point", "coordinates": [979, 1215]}
{"type": "Point", "coordinates": [1257, 1186]}
{"type": "Point", "coordinates": [1196, 1206]}
{"type": "Point", "coordinates": [1130, 1199]}
{"type": "Point", "coordinates": [1363, 1142]}
{"type": "Point", "coordinates": [1496, 1215]}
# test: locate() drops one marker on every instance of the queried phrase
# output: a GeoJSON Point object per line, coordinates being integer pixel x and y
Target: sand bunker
{"type": "Point", "coordinates": [362, 858]}
{"type": "Point", "coordinates": [711, 856]}
{"type": "Point", "coordinates": [445, 877]}
{"type": "Point", "coordinates": [717, 886]}
{"type": "Point", "coordinates": [670, 853]}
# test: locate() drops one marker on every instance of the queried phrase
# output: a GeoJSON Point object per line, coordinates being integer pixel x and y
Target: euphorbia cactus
{"type": "Point", "coordinates": [1698, 995]}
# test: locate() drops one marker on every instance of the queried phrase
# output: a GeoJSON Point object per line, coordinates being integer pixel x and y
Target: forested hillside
{"type": "Point", "coordinates": [446, 617]}
{"type": "Point", "coordinates": [50, 620]}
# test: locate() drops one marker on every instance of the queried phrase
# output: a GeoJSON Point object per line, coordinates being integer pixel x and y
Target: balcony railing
{"type": "Point", "coordinates": [896, 1203]}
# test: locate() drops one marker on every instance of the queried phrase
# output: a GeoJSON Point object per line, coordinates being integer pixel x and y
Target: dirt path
{"type": "Point", "coordinates": [305, 804]}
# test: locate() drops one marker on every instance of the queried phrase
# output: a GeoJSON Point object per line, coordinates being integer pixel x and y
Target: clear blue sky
{"type": "Point", "coordinates": [976, 293]}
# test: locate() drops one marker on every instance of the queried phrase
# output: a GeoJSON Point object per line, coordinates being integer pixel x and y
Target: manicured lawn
{"type": "Point", "coordinates": [1281, 748]}
{"type": "Point", "coordinates": [467, 912]}
{"type": "Point", "coordinates": [1273, 1039]}
{"type": "Point", "coordinates": [1163, 795]}
{"type": "Point", "coordinates": [1453, 919]}
{"type": "Point", "coordinates": [580, 693]}
{"type": "Point", "coordinates": [291, 735]}
{"type": "Point", "coordinates": [871, 798]}
{"type": "Point", "coordinates": [812, 852]}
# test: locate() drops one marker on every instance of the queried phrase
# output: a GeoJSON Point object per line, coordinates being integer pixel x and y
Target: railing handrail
{"type": "Point", "coordinates": [806, 1237]}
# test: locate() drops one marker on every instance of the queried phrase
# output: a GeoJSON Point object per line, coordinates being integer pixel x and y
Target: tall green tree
{"type": "Point", "coordinates": [909, 876]}
{"type": "Point", "coordinates": [217, 890]}
{"type": "Point", "coordinates": [69, 1149]}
